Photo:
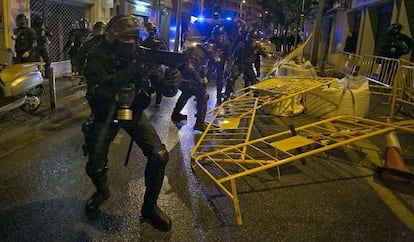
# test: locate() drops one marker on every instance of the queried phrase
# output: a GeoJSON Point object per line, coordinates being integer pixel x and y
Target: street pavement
{"type": "Point", "coordinates": [68, 102]}
{"type": "Point", "coordinates": [331, 198]}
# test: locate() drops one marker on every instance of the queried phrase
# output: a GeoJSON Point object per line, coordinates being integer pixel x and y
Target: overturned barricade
{"type": "Point", "coordinates": [227, 152]}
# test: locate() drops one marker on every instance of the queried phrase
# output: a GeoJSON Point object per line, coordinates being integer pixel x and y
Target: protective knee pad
{"type": "Point", "coordinates": [96, 169]}
{"type": "Point", "coordinates": [87, 131]}
{"type": "Point", "coordinates": [163, 155]}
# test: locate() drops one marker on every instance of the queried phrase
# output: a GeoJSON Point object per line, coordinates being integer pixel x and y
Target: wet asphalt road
{"type": "Point", "coordinates": [43, 187]}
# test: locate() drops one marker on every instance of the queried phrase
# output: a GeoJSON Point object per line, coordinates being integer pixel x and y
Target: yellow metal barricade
{"type": "Point", "coordinates": [230, 125]}
{"type": "Point", "coordinates": [230, 162]}
{"type": "Point", "coordinates": [381, 72]}
{"type": "Point", "coordinates": [403, 93]}
{"type": "Point", "coordinates": [346, 61]}
{"type": "Point", "coordinates": [269, 48]}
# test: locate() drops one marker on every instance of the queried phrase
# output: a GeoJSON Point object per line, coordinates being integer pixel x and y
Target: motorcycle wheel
{"type": "Point", "coordinates": [31, 104]}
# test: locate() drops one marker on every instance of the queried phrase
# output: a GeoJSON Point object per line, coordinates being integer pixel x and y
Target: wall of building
{"type": "Point", "coordinates": [407, 21]}
{"type": "Point", "coordinates": [339, 32]}
{"type": "Point", "coordinates": [58, 16]}
{"type": "Point", "coordinates": [10, 9]}
{"type": "Point", "coordinates": [99, 11]}
{"type": "Point", "coordinates": [366, 35]}
{"type": "Point", "coordinates": [370, 27]}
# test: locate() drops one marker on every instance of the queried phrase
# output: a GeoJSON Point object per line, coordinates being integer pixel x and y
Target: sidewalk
{"type": "Point", "coordinates": [69, 101]}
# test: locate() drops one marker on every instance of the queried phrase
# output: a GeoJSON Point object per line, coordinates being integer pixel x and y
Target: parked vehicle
{"type": "Point", "coordinates": [200, 30]}
{"type": "Point", "coordinates": [21, 86]}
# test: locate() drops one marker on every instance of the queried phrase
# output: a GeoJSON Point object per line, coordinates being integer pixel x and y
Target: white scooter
{"type": "Point", "coordinates": [21, 86]}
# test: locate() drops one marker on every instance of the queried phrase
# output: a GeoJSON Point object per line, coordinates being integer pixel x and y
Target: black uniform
{"type": "Point", "coordinates": [77, 37]}
{"type": "Point", "coordinates": [351, 43]}
{"type": "Point", "coordinates": [395, 44]}
{"type": "Point", "coordinates": [155, 71]}
{"type": "Point", "coordinates": [218, 57]}
{"type": "Point", "coordinates": [43, 36]}
{"type": "Point", "coordinates": [25, 41]}
{"type": "Point", "coordinates": [193, 83]}
{"type": "Point", "coordinates": [114, 75]}
{"type": "Point", "coordinates": [246, 55]}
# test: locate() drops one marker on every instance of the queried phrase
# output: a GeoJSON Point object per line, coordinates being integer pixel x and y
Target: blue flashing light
{"type": "Point", "coordinates": [228, 18]}
{"type": "Point", "coordinates": [200, 18]}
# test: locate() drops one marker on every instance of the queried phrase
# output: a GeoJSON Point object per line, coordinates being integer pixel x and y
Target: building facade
{"type": "Point", "coordinates": [367, 19]}
{"type": "Point", "coordinates": [58, 17]}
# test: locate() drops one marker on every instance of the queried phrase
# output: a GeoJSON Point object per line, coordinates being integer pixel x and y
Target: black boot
{"type": "Point", "coordinates": [156, 217]}
{"type": "Point", "coordinates": [200, 126]}
{"type": "Point", "coordinates": [94, 202]}
{"type": "Point", "coordinates": [102, 193]}
{"type": "Point", "coordinates": [176, 118]}
{"type": "Point", "coordinates": [154, 176]}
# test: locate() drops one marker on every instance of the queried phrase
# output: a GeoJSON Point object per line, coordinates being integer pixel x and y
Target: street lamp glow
{"type": "Point", "coordinates": [241, 8]}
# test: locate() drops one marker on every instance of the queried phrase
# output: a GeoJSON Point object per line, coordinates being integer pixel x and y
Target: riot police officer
{"type": "Point", "coordinates": [43, 40]}
{"type": "Point", "coordinates": [98, 28]}
{"type": "Point", "coordinates": [394, 44]}
{"type": "Point", "coordinates": [246, 55]}
{"type": "Point", "coordinates": [219, 57]}
{"type": "Point", "coordinates": [25, 41]}
{"type": "Point", "coordinates": [77, 37]}
{"type": "Point", "coordinates": [243, 30]}
{"type": "Point", "coordinates": [193, 83]}
{"type": "Point", "coordinates": [155, 70]}
{"type": "Point", "coordinates": [118, 94]}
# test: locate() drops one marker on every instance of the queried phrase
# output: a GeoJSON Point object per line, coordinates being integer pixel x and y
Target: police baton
{"type": "Point", "coordinates": [129, 152]}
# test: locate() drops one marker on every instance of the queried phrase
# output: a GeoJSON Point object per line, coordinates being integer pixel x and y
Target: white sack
{"type": "Point", "coordinates": [349, 96]}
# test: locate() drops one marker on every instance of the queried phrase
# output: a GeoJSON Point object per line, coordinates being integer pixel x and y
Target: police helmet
{"type": "Point", "coordinates": [151, 26]}
{"type": "Point", "coordinates": [254, 35]}
{"type": "Point", "coordinates": [397, 27]}
{"type": "Point", "coordinates": [218, 30]}
{"type": "Point", "coordinates": [75, 25]}
{"type": "Point", "coordinates": [98, 28]}
{"type": "Point", "coordinates": [122, 28]}
{"type": "Point", "coordinates": [218, 33]}
{"type": "Point", "coordinates": [195, 53]}
{"type": "Point", "coordinates": [84, 23]}
{"type": "Point", "coordinates": [37, 20]}
{"type": "Point", "coordinates": [21, 20]}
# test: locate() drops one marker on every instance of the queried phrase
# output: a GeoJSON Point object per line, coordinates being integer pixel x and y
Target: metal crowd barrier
{"type": "Point", "coordinates": [403, 92]}
{"type": "Point", "coordinates": [230, 125]}
{"type": "Point", "coordinates": [346, 61]}
{"type": "Point", "coordinates": [381, 72]}
{"type": "Point", "coordinates": [389, 77]}
{"type": "Point", "coordinates": [226, 164]}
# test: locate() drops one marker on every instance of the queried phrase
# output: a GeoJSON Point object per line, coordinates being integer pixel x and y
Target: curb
{"type": "Point", "coordinates": [68, 111]}
{"type": "Point", "coordinates": [60, 114]}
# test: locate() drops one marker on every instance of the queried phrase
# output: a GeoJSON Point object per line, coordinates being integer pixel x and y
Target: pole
{"type": "Point", "coordinates": [52, 88]}
{"type": "Point", "coordinates": [178, 24]}
{"type": "Point", "coordinates": [241, 9]}
{"type": "Point", "coordinates": [315, 43]}
{"type": "Point", "coordinates": [201, 7]}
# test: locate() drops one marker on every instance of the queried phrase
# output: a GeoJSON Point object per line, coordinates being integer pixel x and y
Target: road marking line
{"type": "Point", "coordinates": [386, 195]}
